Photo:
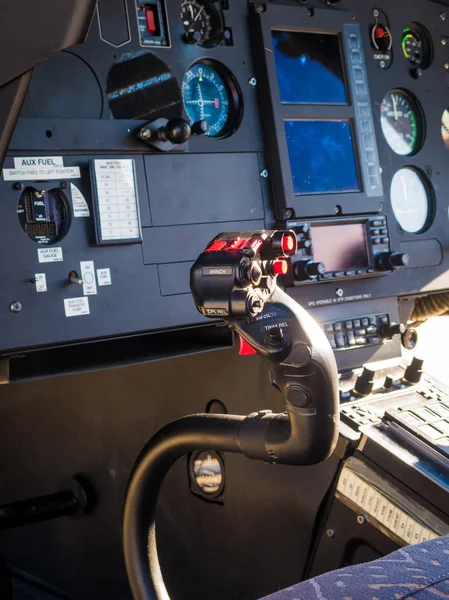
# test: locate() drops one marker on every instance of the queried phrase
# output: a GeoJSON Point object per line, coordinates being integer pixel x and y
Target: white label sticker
{"type": "Point", "coordinates": [76, 307]}
{"type": "Point", "coordinates": [104, 276]}
{"type": "Point", "coordinates": [46, 255]}
{"type": "Point", "coordinates": [40, 282]}
{"type": "Point", "coordinates": [37, 174]}
{"type": "Point", "coordinates": [80, 207]}
{"type": "Point", "coordinates": [88, 276]}
{"type": "Point", "coordinates": [22, 162]}
{"type": "Point", "coordinates": [117, 200]}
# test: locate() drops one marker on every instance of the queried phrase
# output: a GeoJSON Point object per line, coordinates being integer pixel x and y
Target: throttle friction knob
{"type": "Point", "coordinates": [365, 382]}
{"type": "Point", "coordinates": [414, 371]}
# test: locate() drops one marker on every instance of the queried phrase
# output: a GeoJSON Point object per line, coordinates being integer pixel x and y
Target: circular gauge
{"type": "Point", "coordinates": [202, 22]}
{"type": "Point", "coordinates": [417, 46]}
{"type": "Point", "coordinates": [402, 122]}
{"type": "Point", "coordinates": [44, 215]}
{"type": "Point", "coordinates": [412, 200]}
{"type": "Point", "coordinates": [210, 93]}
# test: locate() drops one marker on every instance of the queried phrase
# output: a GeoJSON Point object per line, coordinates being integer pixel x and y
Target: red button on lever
{"type": "Point", "coordinates": [280, 267]}
{"type": "Point", "coordinates": [245, 348]}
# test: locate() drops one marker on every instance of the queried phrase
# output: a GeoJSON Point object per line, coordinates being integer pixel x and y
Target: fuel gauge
{"type": "Point", "coordinates": [44, 215]}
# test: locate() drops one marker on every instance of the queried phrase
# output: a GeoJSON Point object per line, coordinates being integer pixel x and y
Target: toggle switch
{"type": "Point", "coordinates": [75, 278]}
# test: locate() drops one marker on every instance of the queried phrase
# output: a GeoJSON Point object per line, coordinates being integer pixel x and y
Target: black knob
{"type": "Point", "coordinates": [302, 229]}
{"type": "Point", "coordinates": [398, 260]}
{"type": "Point", "coordinates": [414, 371]}
{"type": "Point", "coordinates": [315, 268]}
{"type": "Point", "coordinates": [177, 131]}
{"type": "Point", "coordinates": [389, 261]}
{"type": "Point", "coordinates": [389, 330]}
{"type": "Point", "coordinates": [193, 37]}
{"type": "Point", "coordinates": [275, 336]}
{"type": "Point", "coordinates": [388, 383]}
{"type": "Point", "coordinates": [307, 269]}
{"type": "Point", "coordinates": [365, 382]}
{"type": "Point", "coordinates": [304, 244]}
{"type": "Point", "coordinates": [200, 127]}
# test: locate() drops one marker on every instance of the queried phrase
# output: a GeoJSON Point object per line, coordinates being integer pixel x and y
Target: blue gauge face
{"type": "Point", "coordinates": [206, 98]}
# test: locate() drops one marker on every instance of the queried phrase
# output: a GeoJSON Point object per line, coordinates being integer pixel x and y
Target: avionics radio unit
{"type": "Point", "coordinates": [343, 248]}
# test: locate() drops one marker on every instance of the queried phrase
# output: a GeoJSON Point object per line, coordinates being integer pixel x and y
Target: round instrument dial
{"type": "Point", "coordinates": [210, 93]}
{"type": "Point", "coordinates": [417, 46]}
{"type": "Point", "coordinates": [202, 22]}
{"type": "Point", "coordinates": [412, 200]}
{"type": "Point", "coordinates": [44, 215]}
{"type": "Point", "coordinates": [402, 122]}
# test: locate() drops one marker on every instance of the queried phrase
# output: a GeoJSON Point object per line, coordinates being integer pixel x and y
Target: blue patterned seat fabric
{"type": "Point", "coordinates": [418, 572]}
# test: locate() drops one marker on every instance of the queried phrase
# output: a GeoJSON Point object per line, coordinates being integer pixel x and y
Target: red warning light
{"type": "Point", "coordinates": [280, 267]}
{"type": "Point", "coordinates": [288, 244]}
{"type": "Point", "coordinates": [217, 102]}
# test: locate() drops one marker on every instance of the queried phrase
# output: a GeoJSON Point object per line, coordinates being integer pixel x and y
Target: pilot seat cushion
{"type": "Point", "coordinates": [418, 572]}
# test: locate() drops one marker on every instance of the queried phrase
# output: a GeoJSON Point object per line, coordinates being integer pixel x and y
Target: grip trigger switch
{"type": "Point", "coordinates": [245, 348]}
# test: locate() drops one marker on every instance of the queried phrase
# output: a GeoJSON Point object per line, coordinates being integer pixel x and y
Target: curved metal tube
{"type": "Point", "coordinates": [196, 432]}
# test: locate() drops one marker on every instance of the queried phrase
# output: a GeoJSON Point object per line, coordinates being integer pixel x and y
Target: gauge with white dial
{"type": "Point", "coordinates": [412, 200]}
{"type": "Point", "coordinates": [402, 122]}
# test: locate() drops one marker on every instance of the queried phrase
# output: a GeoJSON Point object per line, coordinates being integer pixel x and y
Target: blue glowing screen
{"type": "Point", "coordinates": [309, 68]}
{"type": "Point", "coordinates": [322, 156]}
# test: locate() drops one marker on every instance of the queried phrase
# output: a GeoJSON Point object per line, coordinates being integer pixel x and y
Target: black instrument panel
{"type": "Point", "coordinates": [272, 152]}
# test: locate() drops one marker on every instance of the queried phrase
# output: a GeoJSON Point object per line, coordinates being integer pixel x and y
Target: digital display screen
{"type": "Point", "coordinates": [322, 157]}
{"type": "Point", "coordinates": [309, 67]}
{"type": "Point", "coordinates": [41, 229]}
{"type": "Point", "coordinates": [340, 247]}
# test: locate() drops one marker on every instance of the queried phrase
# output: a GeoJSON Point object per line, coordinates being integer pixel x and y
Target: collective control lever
{"type": "Point", "coordinates": [235, 279]}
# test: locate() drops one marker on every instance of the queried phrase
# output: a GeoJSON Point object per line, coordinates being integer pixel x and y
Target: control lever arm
{"type": "Point", "coordinates": [303, 367]}
{"type": "Point", "coordinates": [235, 278]}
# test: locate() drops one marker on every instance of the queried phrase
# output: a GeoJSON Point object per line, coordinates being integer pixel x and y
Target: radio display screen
{"type": "Point", "coordinates": [309, 67]}
{"type": "Point", "coordinates": [340, 247]}
{"type": "Point", "coordinates": [322, 156]}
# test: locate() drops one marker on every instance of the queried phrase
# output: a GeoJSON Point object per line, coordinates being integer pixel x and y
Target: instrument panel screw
{"type": "Point", "coordinates": [376, 13]}
{"type": "Point", "coordinates": [146, 133]}
{"type": "Point", "coordinates": [288, 213]}
{"type": "Point", "coordinates": [361, 519]}
{"type": "Point", "coordinates": [339, 293]}
{"type": "Point", "coordinates": [446, 66]}
{"type": "Point", "coordinates": [444, 42]}
{"type": "Point", "coordinates": [383, 64]}
{"type": "Point", "coordinates": [264, 174]}
{"type": "Point", "coordinates": [15, 307]}
{"type": "Point", "coordinates": [18, 186]}
{"type": "Point", "coordinates": [443, 16]}
{"type": "Point", "coordinates": [252, 82]}
{"type": "Point", "coordinates": [330, 533]}
{"type": "Point", "coordinates": [259, 8]}
{"type": "Point", "coordinates": [64, 185]}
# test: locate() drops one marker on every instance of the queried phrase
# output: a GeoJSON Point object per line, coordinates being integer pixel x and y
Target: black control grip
{"type": "Point", "coordinates": [304, 369]}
